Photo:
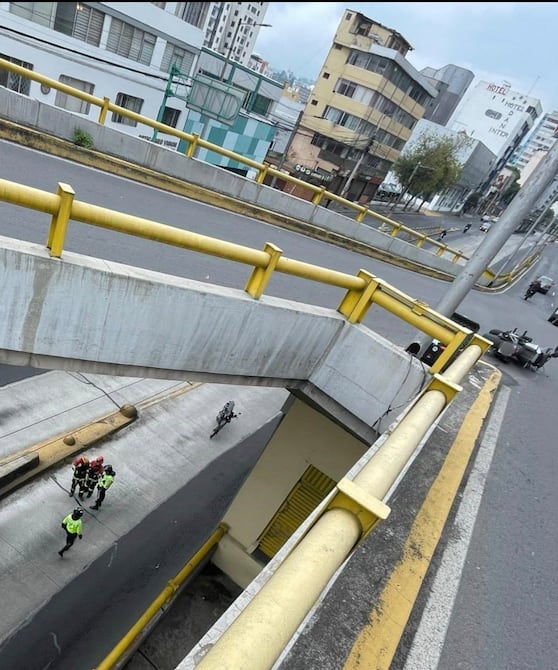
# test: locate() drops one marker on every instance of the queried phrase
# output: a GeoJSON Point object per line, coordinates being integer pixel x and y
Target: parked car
{"type": "Point", "coordinates": [545, 283]}
{"type": "Point", "coordinates": [485, 226]}
{"type": "Point", "coordinates": [553, 318]}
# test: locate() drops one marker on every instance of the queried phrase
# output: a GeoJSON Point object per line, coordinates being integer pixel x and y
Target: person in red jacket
{"type": "Point", "coordinates": [94, 472]}
{"type": "Point", "coordinates": [80, 468]}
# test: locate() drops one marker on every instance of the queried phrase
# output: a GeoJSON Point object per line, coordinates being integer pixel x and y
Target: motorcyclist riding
{"type": "Point", "coordinates": [533, 288]}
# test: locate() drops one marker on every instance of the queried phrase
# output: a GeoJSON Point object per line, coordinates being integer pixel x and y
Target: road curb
{"type": "Point", "coordinates": [18, 468]}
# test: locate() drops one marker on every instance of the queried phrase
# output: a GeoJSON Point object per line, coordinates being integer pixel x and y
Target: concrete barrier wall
{"type": "Point", "coordinates": [20, 109]}
{"type": "Point", "coordinates": [82, 313]}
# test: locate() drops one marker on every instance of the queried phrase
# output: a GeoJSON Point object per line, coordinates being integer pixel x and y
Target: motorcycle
{"type": "Point", "coordinates": [531, 290]}
{"type": "Point", "coordinates": [509, 345]}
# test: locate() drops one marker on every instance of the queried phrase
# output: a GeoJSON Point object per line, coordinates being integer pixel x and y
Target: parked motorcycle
{"type": "Point", "coordinates": [509, 345]}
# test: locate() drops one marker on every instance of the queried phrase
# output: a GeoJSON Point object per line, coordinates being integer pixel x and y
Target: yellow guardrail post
{"type": "Point", "coordinates": [356, 302]}
{"type": "Point", "coordinates": [162, 599]}
{"type": "Point", "coordinates": [103, 111]}
{"type": "Point", "coordinates": [362, 215]}
{"type": "Point", "coordinates": [59, 221]}
{"type": "Point", "coordinates": [261, 275]}
{"type": "Point", "coordinates": [262, 173]}
{"type": "Point", "coordinates": [450, 349]}
{"type": "Point", "coordinates": [191, 148]}
{"type": "Point", "coordinates": [317, 197]}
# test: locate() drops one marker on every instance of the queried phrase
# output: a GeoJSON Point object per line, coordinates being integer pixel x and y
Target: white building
{"type": "Point", "coordinates": [497, 116]}
{"type": "Point", "coordinates": [233, 28]}
{"type": "Point", "coordinates": [125, 52]}
{"type": "Point", "coordinates": [110, 49]}
{"type": "Point", "coordinates": [539, 142]}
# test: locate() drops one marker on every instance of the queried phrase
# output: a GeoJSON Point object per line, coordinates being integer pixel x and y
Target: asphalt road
{"type": "Point", "coordinates": [502, 605]}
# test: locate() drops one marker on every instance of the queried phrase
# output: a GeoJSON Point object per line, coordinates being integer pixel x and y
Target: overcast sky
{"type": "Point", "coordinates": [512, 41]}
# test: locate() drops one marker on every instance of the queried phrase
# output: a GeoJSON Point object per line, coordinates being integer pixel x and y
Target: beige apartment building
{"type": "Point", "coordinates": [361, 111]}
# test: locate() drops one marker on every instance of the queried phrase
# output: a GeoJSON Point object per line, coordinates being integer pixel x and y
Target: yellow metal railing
{"type": "Point", "coordinates": [363, 290]}
{"type": "Point", "coordinates": [161, 601]}
{"type": "Point", "coordinates": [194, 142]}
{"type": "Point", "coordinates": [262, 630]}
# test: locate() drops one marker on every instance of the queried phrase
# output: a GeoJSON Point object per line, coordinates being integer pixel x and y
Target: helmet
{"type": "Point", "coordinates": [109, 470]}
{"type": "Point", "coordinates": [99, 459]}
{"type": "Point", "coordinates": [81, 460]}
{"type": "Point", "coordinates": [78, 512]}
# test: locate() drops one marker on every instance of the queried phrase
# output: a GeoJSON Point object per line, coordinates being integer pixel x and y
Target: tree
{"type": "Point", "coordinates": [472, 201]}
{"type": "Point", "coordinates": [509, 194]}
{"type": "Point", "coordinates": [429, 166]}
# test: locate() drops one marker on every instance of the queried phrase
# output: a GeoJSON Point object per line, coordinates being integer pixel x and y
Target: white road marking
{"type": "Point", "coordinates": [429, 639]}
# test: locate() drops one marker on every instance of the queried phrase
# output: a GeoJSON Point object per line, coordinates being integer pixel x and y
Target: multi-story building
{"type": "Point", "coordinates": [233, 27]}
{"type": "Point", "coordinates": [539, 142]}
{"type": "Point", "coordinates": [497, 116]}
{"type": "Point", "coordinates": [126, 52]}
{"type": "Point", "coordinates": [362, 109]}
{"type": "Point", "coordinates": [103, 51]}
{"type": "Point", "coordinates": [451, 82]}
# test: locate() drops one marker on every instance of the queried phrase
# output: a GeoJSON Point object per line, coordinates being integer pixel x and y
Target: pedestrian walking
{"type": "Point", "coordinates": [94, 473]}
{"type": "Point", "coordinates": [442, 234]}
{"type": "Point", "coordinates": [105, 482]}
{"type": "Point", "coordinates": [73, 527]}
{"type": "Point", "coordinates": [80, 468]}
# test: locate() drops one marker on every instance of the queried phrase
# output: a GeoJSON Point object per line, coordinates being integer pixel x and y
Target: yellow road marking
{"type": "Point", "coordinates": [377, 643]}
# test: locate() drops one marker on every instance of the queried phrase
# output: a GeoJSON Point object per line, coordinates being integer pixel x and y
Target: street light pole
{"type": "Point", "coordinates": [239, 23]}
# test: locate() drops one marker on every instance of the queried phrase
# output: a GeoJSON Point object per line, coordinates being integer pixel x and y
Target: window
{"type": "Point", "coordinates": [71, 18]}
{"type": "Point", "coordinates": [38, 12]}
{"type": "Point", "coordinates": [193, 13]}
{"type": "Point", "coordinates": [260, 104]}
{"type": "Point", "coordinates": [88, 24]}
{"type": "Point", "coordinates": [128, 102]}
{"type": "Point", "coordinates": [161, 5]}
{"type": "Point", "coordinates": [70, 102]}
{"type": "Point", "coordinates": [345, 87]}
{"type": "Point", "coordinates": [130, 42]}
{"type": "Point", "coordinates": [180, 58]}
{"type": "Point", "coordinates": [326, 75]}
{"type": "Point", "coordinates": [314, 103]}
{"type": "Point", "coordinates": [170, 117]}
{"type": "Point", "coordinates": [13, 81]}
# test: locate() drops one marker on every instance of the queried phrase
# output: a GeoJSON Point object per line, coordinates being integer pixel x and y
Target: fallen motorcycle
{"type": "Point", "coordinates": [509, 345]}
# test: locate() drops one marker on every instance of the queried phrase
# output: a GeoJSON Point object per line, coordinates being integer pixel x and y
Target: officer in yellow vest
{"type": "Point", "coordinates": [73, 527]}
{"type": "Point", "coordinates": [105, 482]}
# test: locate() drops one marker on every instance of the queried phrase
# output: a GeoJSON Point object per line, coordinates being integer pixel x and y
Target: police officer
{"type": "Point", "coordinates": [80, 466]}
{"type": "Point", "coordinates": [105, 482]}
{"type": "Point", "coordinates": [73, 527]}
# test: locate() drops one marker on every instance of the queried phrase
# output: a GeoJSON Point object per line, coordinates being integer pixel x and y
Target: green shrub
{"type": "Point", "coordinates": [82, 139]}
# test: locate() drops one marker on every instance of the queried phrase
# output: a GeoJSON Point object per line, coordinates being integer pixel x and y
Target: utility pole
{"type": "Point", "coordinates": [516, 211]}
{"type": "Point", "coordinates": [286, 151]}
{"type": "Point", "coordinates": [350, 178]}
